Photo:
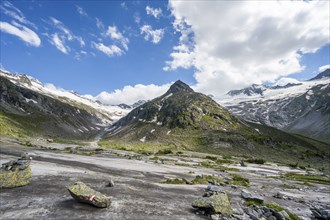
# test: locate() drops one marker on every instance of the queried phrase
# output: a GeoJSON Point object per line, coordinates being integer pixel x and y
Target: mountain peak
{"type": "Point", "coordinates": [179, 86]}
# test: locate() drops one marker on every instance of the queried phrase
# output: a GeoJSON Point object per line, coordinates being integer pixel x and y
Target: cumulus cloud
{"type": "Point", "coordinates": [156, 12]}
{"type": "Point", "coordinates": [262, 42]}
{"type": "Point", "coordinates": [110, 51]}
{"type": "Point", "coordinates": [155, 36]}
{"type": "Point", "coordinates": [115, 34]}
{"type": "Point", "coordinates": [285, 81]}
{"type": "Point", "coordinates": [23, 32]}
{"type": "Point", "coordinates": [131, 94]}
{"type": "Point", "coordinates": [323, 68]}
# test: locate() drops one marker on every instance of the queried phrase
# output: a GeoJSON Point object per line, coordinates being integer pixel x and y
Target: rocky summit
{"type": "Point", "coordinates": [184, 119]}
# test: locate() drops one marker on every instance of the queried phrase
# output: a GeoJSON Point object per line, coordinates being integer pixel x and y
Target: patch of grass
{"type": "Point", "coordinates": [273, 206]}
{"type": "Point", "coordinates": [211, 158]}
{"type": "Point", "coordinates": [217, 167]}
{"type": "Point", "coordinates": [308, 178]}
{"type": "Point", "coordinates": [203, 179]}
{"type": "Point", "coordinates": [184, 164]}
{"type": "Point", "coordinates": [239, 180]}
{"type": "Point", "coordinates": [164, 152]}
{"type": "Point", "coordinates": [174, 181]}
{"type": "Point", "coordinates": [280, 208]}
{"type": "Point", "coordinates": [253, 203]}
{"type": "Point", "coordinates": [153, 158]}
{"type": "Point", "coordinates": [288, 186]}
{"type": "Point", "coordinates": [221, 161]}
{"type": "Point", "coordinates": [256, 161]}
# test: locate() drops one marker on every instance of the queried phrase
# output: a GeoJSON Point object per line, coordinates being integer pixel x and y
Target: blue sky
{"type": "Point", "coordinates": [95, 46]}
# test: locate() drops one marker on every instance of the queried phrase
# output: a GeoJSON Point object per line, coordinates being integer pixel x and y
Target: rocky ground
{"type": "Point", "coordinates": [138, 191]}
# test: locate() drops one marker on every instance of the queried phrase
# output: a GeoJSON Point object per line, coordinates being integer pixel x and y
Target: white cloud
{"type": "Point", "coordinates": [123, 5]}
{"type": "Point", "coordinates": [60, 39]}
{"type": "Point", "coordinates": [323, 68]}
{"type": "Point", "coordinates": [110, 51]}
{"type": "Point", "coordinates": [59, 43]}
{"type": "Point", "coordinates": [137, 18]}
{"type": "Point", "coordinates": [13, 12]}
{"type": "Point", "coordinates": [81, 11]}
{"type": "Point", "coordinates": [262, 42]}
{"type": "Point", "coordinates": [131, 94]}
{"type": "Point", "coordinates": [99, 24]}
{"type": "Point", "coordinates": [115, 34]}
{"type": "Point", "coordinates": [81, 41]}
{"type": "Point", "coordinates": [155, 36]}
{"type": "Point", "coordinates": [156, 12]}
{"type": "Point", "coordinates": [24, 33]}
{"type": "Point", "coordinates": [285, 80]}
{"type": "Point", "coordinates": [60, 26]}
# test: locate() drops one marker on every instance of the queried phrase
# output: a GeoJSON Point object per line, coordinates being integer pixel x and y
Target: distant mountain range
{"type": "Point", "coordinates": [302, 108]}
{"type": "Point", "coordinates": [181, 117]}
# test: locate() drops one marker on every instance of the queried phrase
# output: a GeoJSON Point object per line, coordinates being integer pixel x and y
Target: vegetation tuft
{"type": "Point", "coordinates": [239, 180]}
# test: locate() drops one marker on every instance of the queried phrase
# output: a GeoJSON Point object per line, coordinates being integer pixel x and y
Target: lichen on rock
{"type": "Point", "coordinates": [15, 173]}
{"type": "Point", "coordinates": [83, 193]}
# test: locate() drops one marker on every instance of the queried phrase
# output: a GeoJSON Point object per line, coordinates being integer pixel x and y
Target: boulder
{"type": "Point", "coordinates": [218, 203]}
{"type": "Point", "coordinates": [247, 195]}
{"type": "Point", "coordinates": [321, 213]}
{"type": "Point", "coordinates": [213, 188]}
{"type": "Point", "coordinates": [83, 193]}
{"type": "Point", "coordinates": [15, 173]}
{"type": "Point", "coordinates": [110, 183]}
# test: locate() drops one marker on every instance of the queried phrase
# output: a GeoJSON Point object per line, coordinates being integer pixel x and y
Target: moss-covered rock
{"type": "Point", "coordinates": [216, 203]}
{"type": "Point", "coordinates": [83, 193]}
{"type": "Point", "coordinates": [15, 173]}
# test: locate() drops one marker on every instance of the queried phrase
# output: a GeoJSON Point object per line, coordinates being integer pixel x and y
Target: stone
{"type": "Point", "coordinates": [247, 195]}
{"type": "Point", "coordinates": [84, 194]}
{"type": "Point", "coordinates": [321, 213]}
{"type": "Point", "coordinates": [242, 163]}
{"type": "Point", "coordinates": [213, 188]}
{"type": "Point", "coordinates": [15, 173]}
{"type": "Point", "coordinates": [278, 215]}
{"type": "Point", "coordinates": [271, 217]}
{"type": "Point", "coordinates": [215, 217]}
{"type": "Point", "coordinates": [110, 183]}
{"type": "Point", "coordinates": [284, 214]}
{"type": "Point", "coordinates": [217, 203]}
{"type": "Point", "coordinates": [280, 195]}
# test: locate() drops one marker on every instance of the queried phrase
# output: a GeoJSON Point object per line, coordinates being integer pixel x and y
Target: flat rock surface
{"type": "Point", "coordinates": [138, 193]}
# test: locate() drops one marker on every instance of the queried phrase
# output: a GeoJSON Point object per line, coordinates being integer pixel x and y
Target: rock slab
{"type": "Point", "coordinates": [217, 203]}
{"type": "Point", "coordinates": [84, 194]}
{"type": "Point", "coordinates": [15, 173]}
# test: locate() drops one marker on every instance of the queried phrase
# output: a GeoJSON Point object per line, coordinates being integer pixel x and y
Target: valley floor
{"type": "Point", "coordinates": [138, 192]}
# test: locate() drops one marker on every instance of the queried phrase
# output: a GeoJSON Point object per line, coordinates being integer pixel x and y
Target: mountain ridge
{"type": "Point", "coordinates": [300, 108]}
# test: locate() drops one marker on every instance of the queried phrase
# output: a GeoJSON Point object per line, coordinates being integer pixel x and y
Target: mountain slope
{"type": "Point", "coordinates": [24, 112]}
{"type": "Point", "coordinates": [301, 108]}
{"type": "Point", "coordinates": [108, 114]}
{"type": "Point", "coordinates": [185, 120]}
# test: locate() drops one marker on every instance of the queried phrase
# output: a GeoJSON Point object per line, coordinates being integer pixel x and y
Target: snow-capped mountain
{"type": "Point", "coordinates": [107, 113]}
{"type": "Point", "coordinates": [302, 108]}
